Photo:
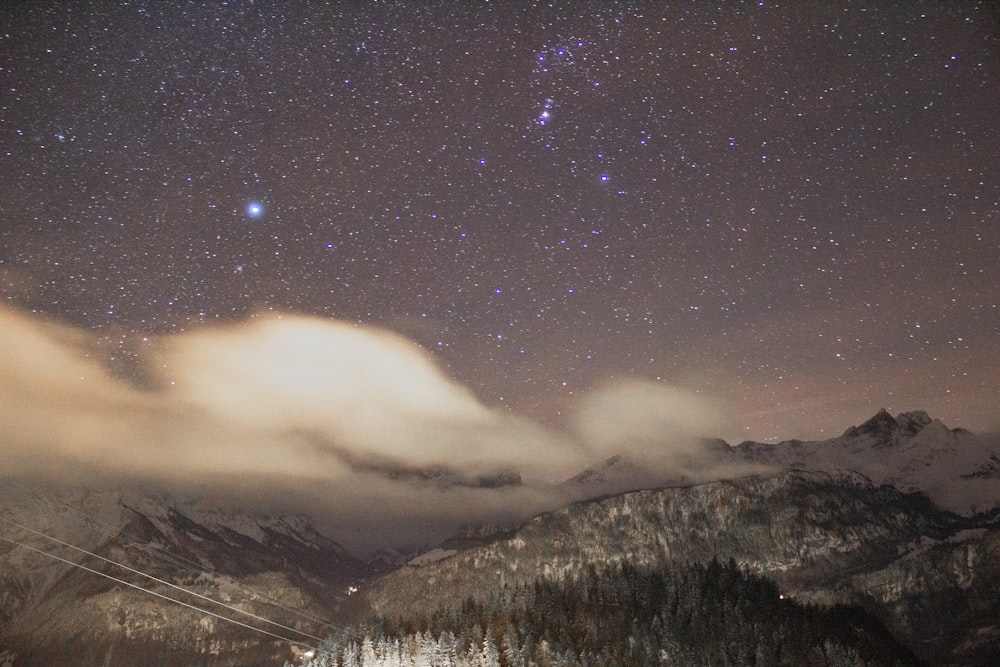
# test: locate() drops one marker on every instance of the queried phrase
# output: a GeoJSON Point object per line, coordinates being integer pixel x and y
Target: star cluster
{"type": "Point", "coordinates": [791, 208]}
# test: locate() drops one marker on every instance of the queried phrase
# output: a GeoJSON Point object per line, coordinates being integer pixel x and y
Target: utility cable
{"type": "Point", "coordinates": [157, 579]}
{"type": "Point", "coordinates": [164, 554]}
{"type": "Point", "coordinates": [159, 595]}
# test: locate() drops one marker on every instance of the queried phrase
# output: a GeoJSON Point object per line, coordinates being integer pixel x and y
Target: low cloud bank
{"type": "Point", "coordinates": [649, 421]}
{"type": "Point", "coordinates": [299, 413]}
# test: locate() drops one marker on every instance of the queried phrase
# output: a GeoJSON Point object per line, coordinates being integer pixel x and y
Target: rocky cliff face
{"type": "Point", "coordinates": [941, 596]}
{"type": "Point", "coordinates": [811, 532]}
{"type": "Point", "coordinates": [51, 611]}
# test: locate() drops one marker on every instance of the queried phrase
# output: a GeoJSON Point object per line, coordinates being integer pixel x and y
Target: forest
{"type": "Point", "coordinates": [711, 614]}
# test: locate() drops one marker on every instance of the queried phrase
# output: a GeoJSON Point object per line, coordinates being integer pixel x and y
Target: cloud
{"type": "Point", "coordinates": [56, 404]}
{"type": "Point", "coordinates": [295, 412]}
{"type": "Point", "coordinates": [304, 414]}
{"type": "Point", "coordinates": [650, 421]}
{"type": "Point", "coordinates": [664, 432]}
{"type": "Point", "coordinates": [360, 390]}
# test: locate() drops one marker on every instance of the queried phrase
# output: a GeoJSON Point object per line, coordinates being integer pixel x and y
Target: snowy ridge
{"type": "Point", "coordinates": [431, 556]}
{"type": "Point", "coordinates": [910, 451]}
{"type": "Point", "coordinates": [823, 538]}
{"type": "Point", "coordinates": [277, 567]}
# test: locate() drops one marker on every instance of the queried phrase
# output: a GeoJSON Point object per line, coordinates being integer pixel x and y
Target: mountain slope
{"type": "Point", "coordinates": [807, 531]}
{"type": "Point", "coordinates": [278, 569]}
{"type": "Point", "coordinates": [957, 469]}
{"type": "Point", "coordinates": [702, 460]}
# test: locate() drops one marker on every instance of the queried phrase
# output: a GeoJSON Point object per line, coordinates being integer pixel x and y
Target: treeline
{"type": "Point", "coordinates": [712, 615]}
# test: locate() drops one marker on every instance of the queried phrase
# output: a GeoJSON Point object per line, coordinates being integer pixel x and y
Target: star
{"type": "Point", "coordinates": [725, 202]}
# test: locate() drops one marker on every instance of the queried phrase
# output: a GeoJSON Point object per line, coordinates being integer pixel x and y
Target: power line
{"type": "Point", "coordinates": [158, 580]}
{"type": "Point", "coordinates": [159, 595]}
{"type": "Point", "coordinates": [160, 553]}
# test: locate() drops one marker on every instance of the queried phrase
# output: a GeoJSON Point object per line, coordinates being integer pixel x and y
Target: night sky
{"type": "Point", "coordinates": [789, 209]}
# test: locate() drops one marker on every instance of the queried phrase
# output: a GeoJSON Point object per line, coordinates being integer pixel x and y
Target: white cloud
{"type": "Point", "coordinates": [645, 419]}
{"type": "Point", "coordinates": [299, 412]}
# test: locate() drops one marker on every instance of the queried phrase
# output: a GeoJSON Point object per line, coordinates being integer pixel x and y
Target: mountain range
{"type": "Point", "coordinates": [896, 517]}
{"type": "Point", "coordinates": [155, 577]}
{"type": "Point", "coordinates": [957, 469]}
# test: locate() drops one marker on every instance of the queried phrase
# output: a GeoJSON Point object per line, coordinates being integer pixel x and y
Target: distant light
{"type": "Point", "coordinates": [255, 209]}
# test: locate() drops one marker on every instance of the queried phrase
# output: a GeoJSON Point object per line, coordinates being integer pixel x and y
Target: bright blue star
{"type": "Point", "coordinates": [255, 209]}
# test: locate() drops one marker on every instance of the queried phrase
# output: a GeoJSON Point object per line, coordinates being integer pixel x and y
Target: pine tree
{"type": "Point", "coordinates": [351, 655]}
{"type": "Point", "coordinates": [368, 657]}
{"type": "Point", "coordinates": [489, 656]}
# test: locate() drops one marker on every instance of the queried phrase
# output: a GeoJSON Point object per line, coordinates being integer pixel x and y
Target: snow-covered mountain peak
{"type": "Point", "coordinates": [884, 430]}
{"type": "Point", "coordinates": [913, 422]}
{"type": "Point", "coordinates": [911, 451]}
{"type": "Point", "coordinates": [934, 433]}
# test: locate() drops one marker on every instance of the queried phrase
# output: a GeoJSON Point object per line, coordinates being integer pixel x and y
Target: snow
{"type": "Point", "coordinates": [244, 525]}
{"type": "Point", "coordinates": [432, 556]}
{"type": "Point", "coordinates": [86, 522]}
{"type": "Point", "coordinates": [911, 452]}
{"type": "Point", "coordinates": [926, 543]}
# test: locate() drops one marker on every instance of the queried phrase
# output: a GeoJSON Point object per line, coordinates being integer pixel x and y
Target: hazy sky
{"type": "Point", "coordinates": [787, 213]}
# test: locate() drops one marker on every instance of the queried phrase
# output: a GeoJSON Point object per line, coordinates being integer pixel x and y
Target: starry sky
{"type": "Point", "coordinates": [789, 209]}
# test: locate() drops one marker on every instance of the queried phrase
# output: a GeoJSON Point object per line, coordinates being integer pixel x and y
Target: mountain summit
{"type": "Point", "coordinates": [911, 451]}
{"type": "Point", "coordinates": [957, 469]}
{"type": "Point", "coordinates": [888, 430]}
